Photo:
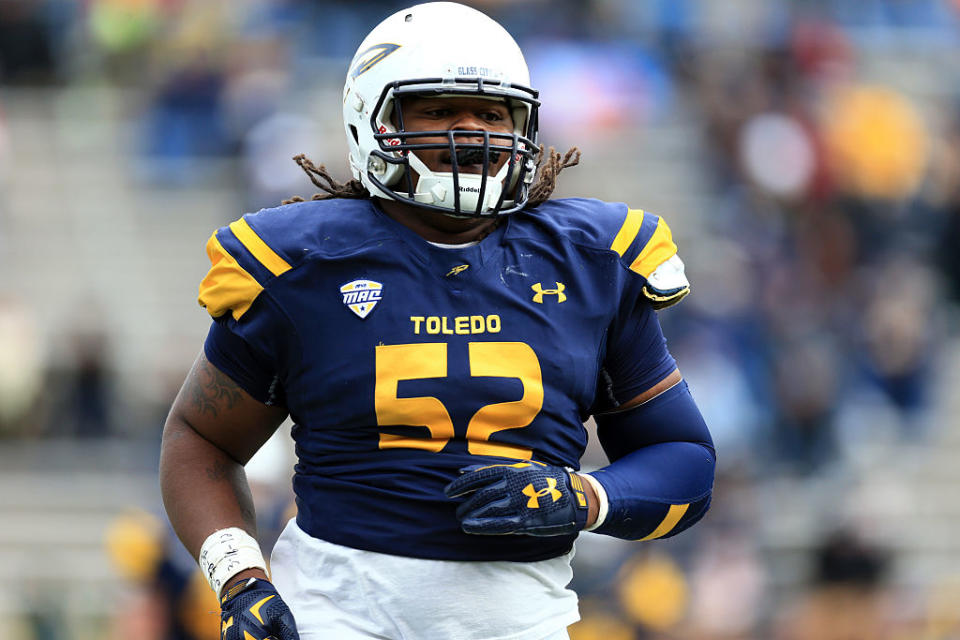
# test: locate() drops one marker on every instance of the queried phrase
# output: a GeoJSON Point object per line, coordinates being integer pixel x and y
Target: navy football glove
{"type": "Point", "coordinates": [253, 610]}
{"type": "Point", "coordinates": [528, 497]}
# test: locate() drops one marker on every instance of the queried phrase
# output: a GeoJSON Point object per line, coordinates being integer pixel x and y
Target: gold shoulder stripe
{"type": "Point", "coordinates": [669, 522]}
{"type": "Point", "coordinates": [227, 286]}
{"type": "Point", "coordinates": [628, 231]}
{"type": "Point", "coordinates": [658, 249]}
{"type": "Point", "coordinates": [255, 245]}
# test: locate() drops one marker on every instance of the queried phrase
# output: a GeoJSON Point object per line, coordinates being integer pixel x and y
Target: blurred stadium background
{"type": "Point", "coordinates": [806, 153]}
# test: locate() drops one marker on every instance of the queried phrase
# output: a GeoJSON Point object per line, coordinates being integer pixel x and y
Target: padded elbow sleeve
{"type": "Point", "coordinates": [660, 478]}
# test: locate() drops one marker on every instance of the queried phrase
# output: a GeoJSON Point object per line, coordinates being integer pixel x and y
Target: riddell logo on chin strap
{"type": "Point", "coordinates": [470, 189]}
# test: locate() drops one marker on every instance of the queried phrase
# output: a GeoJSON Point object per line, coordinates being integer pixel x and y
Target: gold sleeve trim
{"type": "Point", "coordinates": [657, 250]}
{"type": "Point", "coordinates": [255, 245]}
{"type": "Point", "coordinates": [227, 286]}
{"type": "Point", "coordinates": [628, 231]}
{"type": "Point", "coordinates": [662, 302]}
{"type": "Point", "coordinates": [669, 522]}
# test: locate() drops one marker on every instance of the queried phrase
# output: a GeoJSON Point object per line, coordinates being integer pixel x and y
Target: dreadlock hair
{"type": "Point", "coordinates": [549, 166]}
{"type": "Point", "coordinates": [331, 187]}
{"type": "Point", "coordinates": [548, 171]}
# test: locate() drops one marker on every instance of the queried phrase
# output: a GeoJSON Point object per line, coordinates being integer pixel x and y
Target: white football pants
{"type": "Point", "coordinates": [350, 594]}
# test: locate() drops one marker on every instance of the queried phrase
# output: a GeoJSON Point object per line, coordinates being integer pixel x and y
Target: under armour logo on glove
{"type": "Point", "coordinates": [549, 490]}
{"type": "Point", "coordinates": [253, 610]}
{"type": "Point", "coordinates": [528, 497]}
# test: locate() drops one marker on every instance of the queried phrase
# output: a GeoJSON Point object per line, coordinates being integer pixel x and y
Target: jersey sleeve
{"type": "Point", "coordinates": [241, 264]}
{"type": "Point", "coordinates": [645, 244]}
{"type": "Point", "coordinates": [636, 356]}
{"type": "Point", "coordinates": [250, 336]}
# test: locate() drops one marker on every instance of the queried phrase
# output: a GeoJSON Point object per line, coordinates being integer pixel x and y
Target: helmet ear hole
{"type": "Point", "coordinates": [355, 133]}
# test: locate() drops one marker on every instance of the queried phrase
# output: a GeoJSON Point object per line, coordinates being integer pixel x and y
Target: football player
{"type": "Point", "coordinates": [438, 332]}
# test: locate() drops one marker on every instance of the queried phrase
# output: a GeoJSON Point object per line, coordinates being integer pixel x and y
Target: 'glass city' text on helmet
{"type": "Point", "coordinates": [440, 49]}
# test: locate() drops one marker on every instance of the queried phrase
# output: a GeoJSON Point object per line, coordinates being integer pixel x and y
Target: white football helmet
{"type": "Point", "coordinates": [439, 49]}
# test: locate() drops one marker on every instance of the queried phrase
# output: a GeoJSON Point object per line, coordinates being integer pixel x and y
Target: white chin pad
{"type": "Point", "coordinates": [436, 188]}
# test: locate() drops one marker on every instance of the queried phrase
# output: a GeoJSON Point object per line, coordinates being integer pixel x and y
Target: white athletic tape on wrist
{"type": "Point", "coordinates": [227, 552]}
{"type": "Point", "coordinates": [601, 497]}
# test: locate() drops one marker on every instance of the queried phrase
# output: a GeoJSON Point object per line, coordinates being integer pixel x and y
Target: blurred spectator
{"type": "Point", "coordinates": [4, 165]}
{"type": "Point", "coordinates": [82, 388]}
{"type": "Point", "coordinates": [807, 387]}
{"type": "Point", "coordinates": [899, 335]}
{"type": "Point", "coordinates": [929, 15]}
{"type": "Point", "coordinates": [184, 125]}
{"type": "Point", "coordinates": [877, 142]}
{"type": "Point", "coordinates": [845, 600]}
{"type": "Point", "coordinates": [653, 591]}
{"type": "Point", "coordinates": [89, 387]}
{"type": "Point", "coordinates": [21, 366]}
{"type": "Point", "coordinates": [597, 623]}
{"type": "Point", "coordinates": [271, 174]}
{"type": "Point", "coordinates": [942, 617]}
{"type": "Point", "coordinates": [596, 90]}
{"type": "Point", "coordinates": [259, 82]}
{"type": "Point", "coordinates": [124, 30]}
{"type": "Point", "coordinates": [821, 50]}
{"type": "Point", "coordinates": [728, 587]}
{"type": "Point", "coordinates": [26, 53]}
{"type": "Point", "coordinates": [777, 155]}
{"type": "Point", "coordinates": [721, 347]}
{"type": "Point", "coordinates": [946, 199]}
{"type": "Point", "coordinates": [166, 598]}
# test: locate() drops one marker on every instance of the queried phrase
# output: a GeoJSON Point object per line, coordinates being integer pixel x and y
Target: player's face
{"type": "Point", "coordinates": [460, 113]}
{"type": "Point", "coordinates": [444, 114]}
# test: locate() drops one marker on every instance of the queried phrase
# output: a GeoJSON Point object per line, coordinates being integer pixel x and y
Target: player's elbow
{"type": "Point", "coordinates": [698, 475]}
{"type": "Point", "coordinates": [695, 513]}
{"type": "Point", "coordinates": [657, 491]}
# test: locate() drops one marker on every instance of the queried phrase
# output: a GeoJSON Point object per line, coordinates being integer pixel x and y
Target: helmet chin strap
{"type": "Point", "coordinates": [437, 188]}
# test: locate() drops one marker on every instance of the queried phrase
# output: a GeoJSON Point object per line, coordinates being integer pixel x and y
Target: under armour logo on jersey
{"type": "Point", "coordinates": [540, 292]}
{"type": "Point", "coordinates": [361, 296]}
{"type": "Point", "coordinates": [534, 495]}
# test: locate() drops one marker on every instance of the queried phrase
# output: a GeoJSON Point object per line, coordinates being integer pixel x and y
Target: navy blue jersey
{"type": "Point", "coordinates": [401, 362]}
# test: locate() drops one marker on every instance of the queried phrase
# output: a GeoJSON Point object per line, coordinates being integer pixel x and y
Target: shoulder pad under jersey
{"type": "Point", "coordinates": [642, 241]}
{"type": "Point", "coordinates": [242, 263]}
{"type": "Point", "coordinates": [251, 252]}
{"type": "Point", "coordinates": [645, 246]}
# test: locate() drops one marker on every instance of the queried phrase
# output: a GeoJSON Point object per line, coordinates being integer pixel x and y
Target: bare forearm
{"type": "Point", "coordinates": [213, 429]}
{"type": "Point", "coordinates": [203, 488]}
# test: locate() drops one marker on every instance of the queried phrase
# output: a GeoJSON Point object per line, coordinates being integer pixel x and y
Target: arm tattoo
{"type": "Point", "coordinates": [218, 470]}
{"type": "Point", "coordinates": [211, 390]}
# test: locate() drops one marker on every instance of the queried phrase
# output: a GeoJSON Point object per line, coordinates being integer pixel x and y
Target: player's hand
{"type": "Point", "coordinates": [527, 497]}
{"type": "Point", "coordinates": [254, 609]}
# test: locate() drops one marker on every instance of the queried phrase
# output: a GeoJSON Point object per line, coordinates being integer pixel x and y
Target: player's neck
{"type": "Point", "coordinates": [434, 226]}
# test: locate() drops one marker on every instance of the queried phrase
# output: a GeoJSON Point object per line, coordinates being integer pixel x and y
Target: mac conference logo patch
{"type": "Point", "coordinates": [361, 296]}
